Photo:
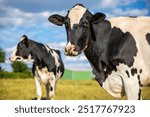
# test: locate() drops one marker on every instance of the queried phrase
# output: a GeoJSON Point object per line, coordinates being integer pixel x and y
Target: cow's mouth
{"type": "Point", "coordinates": [18, 58]}
{"type": "Point", "coordinates": [72, 53]}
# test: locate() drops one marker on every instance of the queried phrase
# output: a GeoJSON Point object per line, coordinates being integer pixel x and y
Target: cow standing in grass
{"type": "Point", "coordinates": [47, 64]}
{"type": "Point", "coordinates": [118, 49]}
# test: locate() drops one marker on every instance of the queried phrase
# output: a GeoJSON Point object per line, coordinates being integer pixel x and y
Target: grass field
{"type": "Point", "coordinates": [24, 89]}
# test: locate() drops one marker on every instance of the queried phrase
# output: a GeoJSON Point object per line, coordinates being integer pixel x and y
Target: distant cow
{"type": "Point", "coordinates": [118, 49]}
{"type": "Point", "coordinates": [47, 64]}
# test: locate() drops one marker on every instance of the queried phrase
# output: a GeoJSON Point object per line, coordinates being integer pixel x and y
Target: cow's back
{"type": "Point", "coordinates": [129, 23]}
{"type": "Point", "coordinates": [139, 28]}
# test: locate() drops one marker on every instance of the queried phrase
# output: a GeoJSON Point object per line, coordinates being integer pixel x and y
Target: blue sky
{"type": "Point", "coordinates": [30, 17]}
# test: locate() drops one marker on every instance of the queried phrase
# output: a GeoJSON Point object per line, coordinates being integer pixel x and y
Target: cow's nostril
{"type": "Point", "coordinates": [74, 49]}
{"type": "Point", "coordinates": [66, 50]}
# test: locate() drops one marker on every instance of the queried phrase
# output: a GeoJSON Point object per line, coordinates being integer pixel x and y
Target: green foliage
{"type": "Point", "coordinates": [15, 75]}
{"type": "Point", "coordinates": [20, 70]}
{"type": "Point", "coordinates": [20, 67]}
{"type": "Point", "coordinates": [2, 57]}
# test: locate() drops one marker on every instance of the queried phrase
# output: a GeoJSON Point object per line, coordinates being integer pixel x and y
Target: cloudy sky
{"type": "Point", "coordinates": [30, 17]}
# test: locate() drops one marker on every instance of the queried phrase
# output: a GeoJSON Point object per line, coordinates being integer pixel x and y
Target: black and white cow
{"type": "Point", "coordinates": [118, 49]}
{"type": "Point", "coordinates": [47, 64]}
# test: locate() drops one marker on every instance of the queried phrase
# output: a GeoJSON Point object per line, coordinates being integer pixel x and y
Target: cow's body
{"type": "Point", "coordinates": [125, 64]}
{"type": "Point", "coordinates": [140, 30]}
{"type": "Point", "coordinates": [47, 64]}
{"type": "Point", "coordinates": [118, 49]}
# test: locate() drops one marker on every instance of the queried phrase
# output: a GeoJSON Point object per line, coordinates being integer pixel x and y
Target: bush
{"type": "Point", "coordinates": [2, 58]}
{"type": "Point", "coordinates": [20, 67]}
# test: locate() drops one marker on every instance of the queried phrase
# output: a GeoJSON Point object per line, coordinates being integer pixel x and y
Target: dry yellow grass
{"type": "Point", "coordinates": [24, 89]}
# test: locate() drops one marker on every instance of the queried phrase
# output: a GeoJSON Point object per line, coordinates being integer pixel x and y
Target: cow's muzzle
{"type": "Point", "coordinates": [12, 59]}
{"type": "Point", "coordinates": [70, 50]}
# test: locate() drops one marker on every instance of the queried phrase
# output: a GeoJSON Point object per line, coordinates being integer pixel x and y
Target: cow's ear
{"type": "Point", "coordinates": [56, 19]}
{"type": "Point", "coordinates": [98, 17]}
{"type": "Point", "coordinates": [25, 40]}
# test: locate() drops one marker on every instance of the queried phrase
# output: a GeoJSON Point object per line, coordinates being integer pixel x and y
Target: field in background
{"type": "Point", "coordinates": [24, 89]}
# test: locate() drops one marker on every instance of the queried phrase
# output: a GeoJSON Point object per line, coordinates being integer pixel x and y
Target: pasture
{"type": "Point", "coordinates": [24, 89]}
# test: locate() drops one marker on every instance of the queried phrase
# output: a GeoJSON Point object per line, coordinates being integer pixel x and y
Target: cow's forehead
{"type": "Point", "coordinates": [75, 14]}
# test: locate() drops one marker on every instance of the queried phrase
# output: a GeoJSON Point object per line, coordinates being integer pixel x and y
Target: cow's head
{"type": "Point", "coordinates": [22, 51]}
{"type": "Point", "coordinates": [78, 23]}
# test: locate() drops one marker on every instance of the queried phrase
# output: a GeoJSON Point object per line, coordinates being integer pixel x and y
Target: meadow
{"type": "Point", "coordinates": [24, 89]}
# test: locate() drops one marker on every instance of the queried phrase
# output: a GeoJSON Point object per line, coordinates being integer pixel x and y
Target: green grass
{"type": "Point", "coordinates": [24, 89]}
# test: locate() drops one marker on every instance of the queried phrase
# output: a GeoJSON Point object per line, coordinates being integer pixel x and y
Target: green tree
{"type": "Point", "coordinates": [2, 58]}
{"type": "Point", "coordinates": [20, 67]}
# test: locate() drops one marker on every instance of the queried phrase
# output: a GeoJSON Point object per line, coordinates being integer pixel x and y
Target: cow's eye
{"type": "Point", "coordinates": [75, 26]}
{"type": "Point", "coordinates": [20, 47]}
{"type": "Point", "coordinates": [84, 24]}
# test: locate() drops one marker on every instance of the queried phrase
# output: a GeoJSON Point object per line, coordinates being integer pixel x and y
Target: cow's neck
{"type": "Point", "coordinates": [35, 51]}
{"type": "Point", "coordinates": [41, 57]}
{"type": "Point", "coordinates": [108, 48]}
{"type": "Point", "coordinates": [93, 57]}
{"type": "Point", "coordinates": [99, 52]}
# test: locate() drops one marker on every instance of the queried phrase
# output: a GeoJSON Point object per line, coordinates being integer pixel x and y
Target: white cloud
{"type": "Point", "coordinates": [13, 21]}
{"type": "Point", "coordinates": [78, 66]}
{"type": "Point", "coordinates": [109, 15]}
{"type": "Point", "coordinates": [15, 17]}
{"type": "Point", "coordinates": [80, 58]}
{"type": "Point", "coordinates": [108, 3]}
{"type": "Point", "coordinates": [59, 46]}
{"type": "Point", "coordinates": [71, 59]}
{"type": "Point", "coordinates": [130, 12]}
{"type": "Point", "coordinates": [111, 4]}
{"type": "Point", "coordinates": [126, 2]}
{"type": "Point", "coordinates": [11, 49]}
{"type": "Point", "coordinates": [54, 45]}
